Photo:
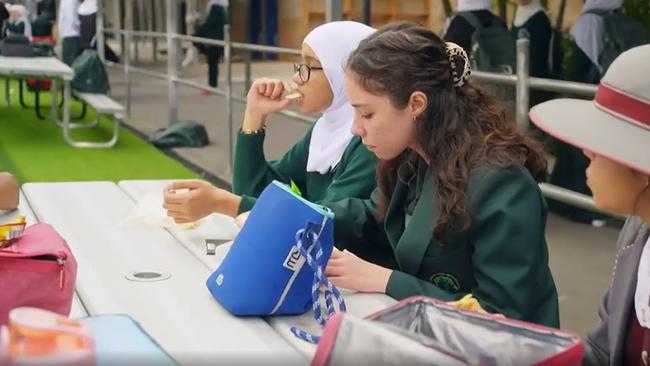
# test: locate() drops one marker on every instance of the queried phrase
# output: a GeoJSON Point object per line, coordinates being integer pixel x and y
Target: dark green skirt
{"type": "Point", "coordinates": [71, 49]}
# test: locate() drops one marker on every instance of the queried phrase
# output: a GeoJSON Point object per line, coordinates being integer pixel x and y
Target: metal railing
{"type": "Point", "coordinates": [522, 81]}
{"type": "Point", "coordinates": [172, 77]}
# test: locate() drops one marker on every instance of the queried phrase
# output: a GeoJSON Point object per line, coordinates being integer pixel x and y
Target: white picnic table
{"type": "Point", "coordinates": [222, 227]}
{"type": "Point", "coordinates": [43, 67]}
{"type": "Point", "coordinates": [175, 309]}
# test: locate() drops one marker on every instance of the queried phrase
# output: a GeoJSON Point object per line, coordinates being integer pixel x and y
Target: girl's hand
{"type": "Point", "coordinates": [347, 270]}
{"type": "Point", "coordinates": [200, 200]}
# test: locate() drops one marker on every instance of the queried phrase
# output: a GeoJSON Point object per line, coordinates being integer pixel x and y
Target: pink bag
{"type": "Point", "coordinates": [37, 270]}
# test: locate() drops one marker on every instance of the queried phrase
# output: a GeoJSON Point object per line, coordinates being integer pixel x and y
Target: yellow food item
{"type": "Point", "coordinates": [468, 302]}
{"type": "Point", "coordinates": [11, 231]}
{"type": "Point", "coordinates": [189, 225]}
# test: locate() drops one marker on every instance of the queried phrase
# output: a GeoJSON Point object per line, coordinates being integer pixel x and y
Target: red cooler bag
{"type": "Point", "coordinates": [37, 270]}
{"type": "Point", "coordinates": [424, 331]}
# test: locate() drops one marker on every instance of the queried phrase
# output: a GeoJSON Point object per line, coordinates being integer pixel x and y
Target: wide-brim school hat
{"type": "Point", "coordinates": [616, 124]}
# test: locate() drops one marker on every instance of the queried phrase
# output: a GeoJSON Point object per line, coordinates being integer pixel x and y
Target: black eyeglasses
{"type": "Point", "coordinates": [304, 71]}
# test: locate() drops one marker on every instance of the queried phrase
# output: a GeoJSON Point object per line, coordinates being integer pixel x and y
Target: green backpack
{"type": "Point", "coordinates": [181, 134]}
{"type": "Point", "coordinates": [89, 74]}
{"type": "Point", "coordinates": [493, 47]}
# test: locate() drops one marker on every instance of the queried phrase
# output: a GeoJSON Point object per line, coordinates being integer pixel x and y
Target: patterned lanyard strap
{"type": "Point", "coordinates": [321, 286]}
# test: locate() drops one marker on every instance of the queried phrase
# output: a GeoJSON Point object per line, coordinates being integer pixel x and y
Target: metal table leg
{"type": "Point", "coordinates": [53, 110]}
{"type": "Point", "coordinates": [7, 96]}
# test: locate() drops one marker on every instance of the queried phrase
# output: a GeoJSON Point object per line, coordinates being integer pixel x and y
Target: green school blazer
{"type": "Point", "coordinates": [502, 258]}
{"type": "Point", "coordinates": [354, 176]}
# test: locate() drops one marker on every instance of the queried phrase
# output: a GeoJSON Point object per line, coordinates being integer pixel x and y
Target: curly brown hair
{"type": "Point", "coordinates": [461, 129]}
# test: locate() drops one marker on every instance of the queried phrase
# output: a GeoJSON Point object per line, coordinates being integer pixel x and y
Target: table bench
{"type": "Point", "coordinates": [103, 105]}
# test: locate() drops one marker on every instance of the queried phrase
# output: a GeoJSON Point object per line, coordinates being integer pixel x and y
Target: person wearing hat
{"type": "Point", "coordinates": [613, 131]}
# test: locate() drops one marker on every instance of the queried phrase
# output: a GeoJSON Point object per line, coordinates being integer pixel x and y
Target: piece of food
{"type": "Point", "coordinates": [11, 231]}
{"type": "Point", "coordinates": [189, 225]}
{"type": "Point", "coordinates": [293, 95]}
{"type": "Point", "coordinates": [290, 93]}
{"type": "Point", "coordinates": [468, 302]}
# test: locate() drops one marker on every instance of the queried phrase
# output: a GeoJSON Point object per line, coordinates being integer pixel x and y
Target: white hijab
{"type": "Point", "coordinates": [333, 42]}
{"type": "Point", "coordinates": [525, 12]}
{"type": "Point", "coordinates": [469, 5]}
{"type": "Point", "coordinates": [223, 3]}
{"type": "Point", "coordinates": [588, 30]}
{"type": "Point", "coordinates": [24, 17]}
{"type": "Point", "coordinates": [88, 7]}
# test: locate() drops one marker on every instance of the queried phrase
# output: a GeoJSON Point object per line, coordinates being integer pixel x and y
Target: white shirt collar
{"type": "Point", "coordinates": [642, 293]}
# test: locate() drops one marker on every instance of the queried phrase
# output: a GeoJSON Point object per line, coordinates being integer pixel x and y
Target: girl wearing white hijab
{"type": "Point", "coordinates": [532, 22]}
{"type": "Point", "coordinates": [327, 164]}
{"type": "Point", "coordinates": [19, 21]}
{"type": "Point", "coordinates": [472, 5]}
{"type": "Point", "coordinates": [588, 31]}
{"type": "Point", "coordinates": [460, 31]}
{"type": "Point", "coordinates": [526, 9]}
{"type": "Point", "coordinates": [223, 3]}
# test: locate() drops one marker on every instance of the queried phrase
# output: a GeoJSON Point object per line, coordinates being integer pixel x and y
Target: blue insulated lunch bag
{"type": "Point", "coordinates": [264, 272]}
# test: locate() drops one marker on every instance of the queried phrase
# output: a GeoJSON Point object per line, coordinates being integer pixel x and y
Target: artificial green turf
{"type": "Point", "coordinates": [34, 150]}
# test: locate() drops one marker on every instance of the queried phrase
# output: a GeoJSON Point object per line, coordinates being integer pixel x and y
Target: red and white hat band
{"type": "Point", "coordinates": [623, 105]}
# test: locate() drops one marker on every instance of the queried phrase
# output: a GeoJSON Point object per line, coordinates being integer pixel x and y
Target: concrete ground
{"type": "Point", "coordinates": [581, 256]}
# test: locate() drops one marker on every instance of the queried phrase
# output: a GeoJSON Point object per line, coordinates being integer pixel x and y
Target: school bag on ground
{"type": "Point", "coordinates": [181, 134]}
{"type": "Point", "coordinates": [89, 74]}
{"type": "Point", "coordinates": [493, 47]}
{"type": "Point", "coordinates": [423, 331]}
